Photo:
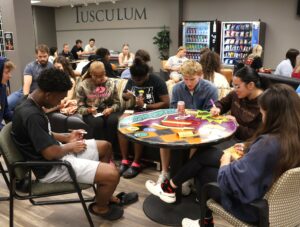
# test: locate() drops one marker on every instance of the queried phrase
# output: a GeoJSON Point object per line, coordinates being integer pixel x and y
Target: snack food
{"type": "Point", "coordinates": [234, 153]}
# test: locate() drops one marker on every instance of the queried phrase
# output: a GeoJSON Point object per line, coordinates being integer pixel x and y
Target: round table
{"type": "Point", "coordinates": [166, 128]}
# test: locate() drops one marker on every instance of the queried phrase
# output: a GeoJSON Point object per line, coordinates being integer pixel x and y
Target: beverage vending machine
{"type": "Point", "coordinates": [200, 34]}
{"type": "Point", "coordinates": [238, 38]}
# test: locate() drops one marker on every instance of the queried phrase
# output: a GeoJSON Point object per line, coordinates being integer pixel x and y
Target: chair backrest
{"type": "Point", "coordinates": [10, 152]}
{"type": "Point", "coordinates": [284, 199]}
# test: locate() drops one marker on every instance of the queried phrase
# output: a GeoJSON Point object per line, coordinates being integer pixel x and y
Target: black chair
{"type": "Point", "coordinates": [19, 169]}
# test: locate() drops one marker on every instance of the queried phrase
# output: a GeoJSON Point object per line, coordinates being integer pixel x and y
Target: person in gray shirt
{"type": "Point", "coordinates": [31, 73]}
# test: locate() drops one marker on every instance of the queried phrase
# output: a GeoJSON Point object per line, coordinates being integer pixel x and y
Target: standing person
{"type": "Point", "coordinates": [31, 74]}
{"type": "Point", "coordinates": [90, 48]}
{"type": "Point", "coordinates": [52, 54]}
{"type": "Point", "coordinates": [274, 149]}
{"type": "Point", "coordinates": [144, 55]}
{"type": "Point", "coordinates": [99, 103]}
{"type": "Point", "coordinates": [211, 65]}
{"type": "Point", "coordinates": [32, 135]}
{"type": "Point", "coordinates": [6, 66]}
{"type": "Point", "coordinates": [285, 67]}
{"type": "Point", "coordinates": [154, 96]}
{"type": "Point", "coordinates": [173, 65]}
{"type": "Point", "coordinates": [196, 94]}
{"type": "Point", "coordinates": [244, 109]}
{"type": "Point", "coordinates": [77, 50]}
{"type": "Point", "coordinates": [125, 57]}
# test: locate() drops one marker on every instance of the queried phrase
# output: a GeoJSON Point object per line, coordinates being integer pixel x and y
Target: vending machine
{"type": "Point", "coordinates": [238, 38]}
{"type": "Point", "coordinates": [200, 34]}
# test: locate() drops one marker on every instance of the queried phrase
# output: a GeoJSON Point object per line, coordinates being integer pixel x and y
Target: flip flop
{"type": "Point", "coordinates": [126, 198]}
{"type": "Point", "coordinates": [113, 213]}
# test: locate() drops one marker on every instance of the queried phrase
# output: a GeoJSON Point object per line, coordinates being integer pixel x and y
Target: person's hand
{"type": "Point", "coordinates": [107, 111]}
{"type": "Point", "coordinates": [92, 110]}
{"type": "Point", "coordinates": [239, 147]}
{"type": "Point", "coordinates": [76, 135]}
{"type": "Point", "coordinates": [175, 68]}
{"type": "Point", "coordinates": [232, 118]}
{"type": "Point", "coordinates": [77, 146]}
{"type": "Point", "coordinates": [129, 94]}
{"type": "Point", "coordinates": [215, 111]}
{"type": "Point", "coordinates": [225, 159]}
{"type": "Point", "coordinates": [139, 102]}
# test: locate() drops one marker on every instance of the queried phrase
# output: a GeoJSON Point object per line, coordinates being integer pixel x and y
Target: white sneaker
{"type": "Point", "coordinates": [156, 190]}
{"type": "Point", "coordinates": [186, 188]}
{"type": "Point", "coordinates": [186, 222]}
{"type": "Point", "coordinates": [162, 177]}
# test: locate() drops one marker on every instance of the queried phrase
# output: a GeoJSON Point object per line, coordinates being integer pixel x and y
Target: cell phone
{"type": "Point", "coordinates": [98, 114]}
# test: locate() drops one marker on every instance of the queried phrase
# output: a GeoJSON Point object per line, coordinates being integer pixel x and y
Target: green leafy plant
{"type": "Point", "coordinates": [162, 40]}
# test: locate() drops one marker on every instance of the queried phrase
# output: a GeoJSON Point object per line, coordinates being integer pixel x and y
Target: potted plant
{"type": "Point", "coordinates": [162, 40]}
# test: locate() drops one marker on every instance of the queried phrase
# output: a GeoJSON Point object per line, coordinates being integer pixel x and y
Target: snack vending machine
{"type": "Point", "coordinates": [198, 35]}
{"type": "Point", "coordinates": [238, 38]}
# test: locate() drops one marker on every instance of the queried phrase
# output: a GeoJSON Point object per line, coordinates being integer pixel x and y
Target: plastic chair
{"type": "Point", "coordinates": [18, 169]}
{"type": "Point", "coordinates": [279, 207]}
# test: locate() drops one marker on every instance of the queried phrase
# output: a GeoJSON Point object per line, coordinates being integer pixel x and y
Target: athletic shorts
{"type": "Point", "coordinates": [85, 165]}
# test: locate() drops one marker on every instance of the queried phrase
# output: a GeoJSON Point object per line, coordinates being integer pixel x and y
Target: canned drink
{"type": "Point", "coordinates": [181, 107]}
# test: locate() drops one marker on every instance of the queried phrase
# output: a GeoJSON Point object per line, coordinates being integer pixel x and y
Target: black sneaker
{"type": "Point", "coordinates": [131, 172]}
{"type": "Point", "coordinates": [123, 168]}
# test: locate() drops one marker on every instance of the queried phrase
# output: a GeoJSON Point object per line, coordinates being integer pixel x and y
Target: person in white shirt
{"type": "Point", "coordinates": [90, 48]}
{"type": "Point", "coordinates": [126, 57]}
{"type": "Point", "coordinates": [173, 64]}
{"type": "Point", "coordinates": [285, 67]}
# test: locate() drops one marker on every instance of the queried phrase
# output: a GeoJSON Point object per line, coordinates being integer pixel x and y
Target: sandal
{"type": "Point", "coordinates": [113, 213]}
{"type": "Point", "coordinates": [126, 198]}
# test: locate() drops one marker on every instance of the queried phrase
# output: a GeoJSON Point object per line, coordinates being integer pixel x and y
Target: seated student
{"type": "Point", "coordinates": [173, 65]}
{"type": "Point", "coordinates": [144, 55]}
{"type": "Point", "coordinates": [97, 94]}
{"type": "Point", "coordinates": [285, 67]}
{"type": "Point", "coordinates": [52, 54]}
{"type": "Point", "coordinates": [243, 105]}
{"type": "Point", "coordinates": [90, 48]}
{"type": "Point", "coordinates": [103, 55]}
{"type": "Point", "coordinates": [32, 135]}
{"type": "Point", "coordinates": [6, 66]}
{"type": "Point", "coordinates": [196, 94]}
{"type": "Point", "coordinates": [211, 65]}
{"type": "Point", "coordinates": [274, 149]}
{"type": "Point", "coordinates": [149, 93]}
{"type": "Point", "coordinates": [254, 58]}
{"type": "Point", "coordinates": [125, 57]}
{"type": "Point", "coordinates": [30, 75]}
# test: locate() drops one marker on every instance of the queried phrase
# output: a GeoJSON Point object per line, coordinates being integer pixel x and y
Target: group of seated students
{"type": "Point", "coordinates": [267, 135]}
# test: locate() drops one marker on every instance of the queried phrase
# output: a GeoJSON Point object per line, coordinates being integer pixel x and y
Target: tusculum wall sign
{"type": "Point", "coordinates": [83, 15]}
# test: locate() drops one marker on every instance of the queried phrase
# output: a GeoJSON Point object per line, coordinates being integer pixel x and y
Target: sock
{"type": "Point", "coordinates": [135, 164]}
{"type": "Point", "coordinates": [125, 162]}
{"type": "Point", "coordinates": [166, 187]}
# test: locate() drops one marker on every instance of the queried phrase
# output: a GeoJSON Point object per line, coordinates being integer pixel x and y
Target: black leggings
{"type": "Point", "coordinates": [204, 157]}
{"type": "Point", "coordinates": [104, 128]}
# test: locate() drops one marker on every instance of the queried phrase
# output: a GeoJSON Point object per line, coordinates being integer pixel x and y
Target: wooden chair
{"type": "Point", "coordinates": [18, 169]}
{"type": "Point", "coordinates": [228, 73]}
{"type": "Point", "coordinates": [279, 207]}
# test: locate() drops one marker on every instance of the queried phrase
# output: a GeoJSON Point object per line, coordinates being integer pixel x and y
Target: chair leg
{"type": "Point", "coordinates": [85, 208]}
{"type": "Point", "coordinates": [11, 205]}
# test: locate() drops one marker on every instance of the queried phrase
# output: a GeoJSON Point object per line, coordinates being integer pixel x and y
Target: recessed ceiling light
{"type": "Point", "coordinates": [35, 1]}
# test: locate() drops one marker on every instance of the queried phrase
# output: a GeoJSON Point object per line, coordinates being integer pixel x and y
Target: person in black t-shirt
{"type": "Point", "coordinates": [77, 50]}
{"type": "Point", "coordinates": [31, 132]}
{"type": "Point", "coordinates": [149, 92]}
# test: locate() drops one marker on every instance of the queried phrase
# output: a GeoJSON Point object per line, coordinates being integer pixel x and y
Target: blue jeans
{"type": "Point", "coordinates": [14, 98]}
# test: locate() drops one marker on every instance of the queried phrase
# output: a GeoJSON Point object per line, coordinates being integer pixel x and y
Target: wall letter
{"type": "Point", "coordinates": [140, 15]}
{"type": "Point", "coordinates": [97, 15]}
{"type": "Point", "coordinates": [112, 15]}
{"type": "Point", "coordinates": [125, 14]}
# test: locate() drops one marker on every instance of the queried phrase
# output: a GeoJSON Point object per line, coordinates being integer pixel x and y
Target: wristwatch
{"type": "Point", "coordinates": [145, 106]}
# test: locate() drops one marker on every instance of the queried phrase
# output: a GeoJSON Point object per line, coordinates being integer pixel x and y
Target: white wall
{"type": "Point", "coordinates": [112, 34]}
{"type": "Point", "coordinates": [282, 23]}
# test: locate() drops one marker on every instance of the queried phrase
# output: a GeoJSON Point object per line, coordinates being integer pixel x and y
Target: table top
{"type": "Point", "coordinates": [166, 128]}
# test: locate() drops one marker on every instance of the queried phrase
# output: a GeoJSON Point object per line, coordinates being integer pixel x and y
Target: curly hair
{"type": "Point", "coordinates": [211, 63]}
{"type": "Point", "coordinates": [54, 80]}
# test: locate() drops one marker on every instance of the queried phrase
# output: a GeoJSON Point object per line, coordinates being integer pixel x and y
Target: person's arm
{"type": "Point", "coordinates": [248, 178]}
{"type": "Point", "coordinates": [175, 97]}
{"type": "Point", "coordinates": [127, 94]}
{"type": "Point", "coordinates": [212, 94]}
{"type": "Point", "coordinates": [247, 131]}
{"type": "Point", "coordinates": [120, 58]}
{"type": "Point", "coordinates": [81, 100]}
{"type": "Point", "coordinates": [225, 103]}
{"type": "Point", "coordinates": [162, 104]}
{"type": "Point", "coordinates": [27, 84]}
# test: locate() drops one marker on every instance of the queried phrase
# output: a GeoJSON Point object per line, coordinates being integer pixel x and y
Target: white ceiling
{"type": "Point", "coordinates": [59, 3]}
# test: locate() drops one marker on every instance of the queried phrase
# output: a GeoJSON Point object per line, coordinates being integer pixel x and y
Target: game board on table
{"type": "Point", "coordinates": [165, 127]}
